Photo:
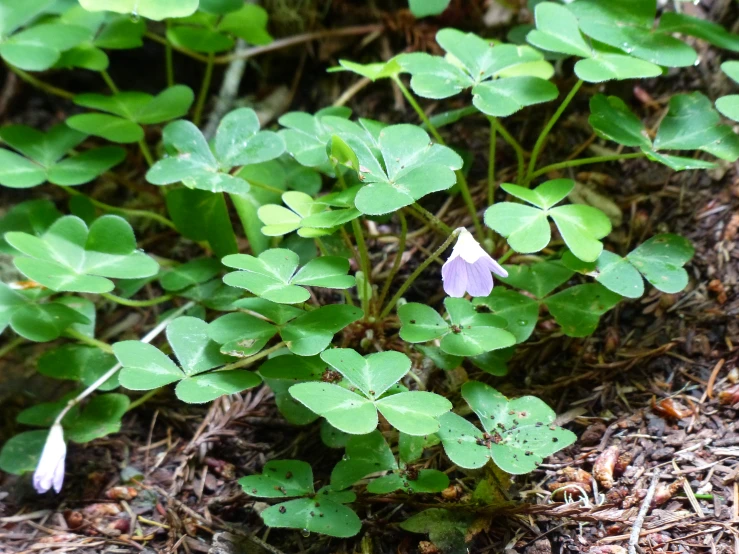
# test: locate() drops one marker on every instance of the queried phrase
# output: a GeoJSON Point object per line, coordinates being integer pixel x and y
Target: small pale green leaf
{"type": "Point", "coordinates": [280, 479]}
{"type": "Point", "coordinates": [365, 454]}
{"type": "Point", "coordinates": [312, 332]}
{"type": "Point", "coordinates": [372, 374]}
{"type": "Point", "coordinates": [343, 409]}
{"type": "Point", "coordinates": [145, 367]}
{"type": "Point", "coordinates": [414, 413]}
{"type": "Point", "coordinates": [578, 309]}
{"type": "Point", "coordinates": [209, 386]}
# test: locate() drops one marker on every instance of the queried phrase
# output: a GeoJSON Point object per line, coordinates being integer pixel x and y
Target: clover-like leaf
{"type": "Point", "coordinates": [238, 142]}
{"type": "Point", "coordinates": [692, 124]}
{"type": "Point", "coordinates": [612, 120]}
{"type": "Point", "coordinates": [468, 333]}
{"type": "Point", "coordinates": [610, 270]}
{"type": "Point", "coordinates": [558, 30]}
{"type": "Point", "coordinates": [373, 374]}
{"type": "Point", "coordinates": [308, 216]}
{"type": "Point", "coordinates": [684, 24]}
{"type": "Point", "coordinates": [190, 273]}
{"type": "Point", "coordinates": [371, 71]}
{"type": "Point", "coordinates": [32, 45]}
{"type": "Point", "coordinates": [539, 279]}
{"type": "Point", "coordinates": [423, 8]}
{"type": "Point", "coordinates": [419, 481]}
{"type": "Point", "coordinates": [71, 257]}
{"type": "Point", "coordinates": [272, 275]}
{"type": "Point", "coordinates": [209, 386]}
{"type": "Point", "coordinates": [578, 309]}
{"type": "Point", "coordinates": [22, 452]}
{"type": "Point", "coordinates": [518, 435]}
{"type": "Point", "coordinates": [32, 217]}
{"type": "Point", "coordinates": [365, 454]}
{"type": "Point", "coordinates": [280, 479]}
{"type": "Point", "coordinates": [408, 168]}
{"type": "Point", "coordinates": [151, 9]}
{"type": "Point", "coordinates": [446, 529]}
{"type": "Point", "coordinates": [78, 363]}
{"type": "Point", "coordinates": [660, 260]}
{"type": "Point", "coordinates": [527, 228]}
{"type": "Point", "coordinates": [34, 320]}
{"type": "Point", "coordinates": [729, 105]}
{"type": "Point", "coordinates": [42, 158]}
{"type": "Point", "coordinates": [284, 371]}
{"type": "Point", "coordinates": [100, 417]}
{"type": "Point", "coordinates": [311, 333]}
{"type": "Point", "coordinates": [472, 62]}
{"type": "Point", "coordinates": [240, 334]}
{"type": "Point", "coordinates": [127, 111]}
{"type": "Point", "coordinates": [520, 312]}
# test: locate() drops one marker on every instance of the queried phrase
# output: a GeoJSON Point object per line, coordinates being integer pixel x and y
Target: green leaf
{"type": "Point", "coordinates": [365, 454]}
{"type": "Point", "coordinates": [411, 448]}
{"type": "Point", "coordinates": [372, 71]}
{"type": "Point", "coordinates": [610, 270]}
{"type": "Point", "coordinates": [441, 359]}
{"type": "Point", "coordinates": [145, 367]}
{"type": "Point", "coordinates": [545, 195]}
{"type": "Point", "coordinates": [420, 323]}
{"type": "Point", "coordinates": [239, 141]}
{"type": "Point", "coordinates": [281, 372]}
{"type": "Point", "coordinates": [278, 313]}
{"type": "Point", "coordinates": [38, 47]}
{"type": "Point", "coordinates": [199, 39]}
{"type": "Point", "coordinates": [71, 257]}
{"type": "Point", "coordinates": [43, 157]}
{"type": "Point", "coordinates": [729, 105]}
{"type": "Point", "coordinates": [581, 226]}
{"type": "Point", "coordinates": [109, 127]}
{"type": "Point", "coordinates": [241, 334]}
{"type": "Point", "coordinates": [423, 8]}
{"type": "Point", "coordinates": [22, 452]}
{"type": "Point", "coordinates": [578, 309]}
{"type": "Point", "coordinates": [345, 410]}
{"type": "Point", "coordinates": [191, 343]}
{"type": "Point", "coordinates": [412, 167]}
{"type": "Point", "coordinates": [204, 388]}
{"type": "Point", "coordinates": [526, 228]}
{"type": "Point", "coordinates": [604, 66]}
{"type": "Point", "coordinates": [78, 363]}
{"type": "Point", "coordinates": [306, 135]}
{"type": "Point", "coordinates": [660, 260]}
{"type": "Point", "coordinates": [672, 22]}
{"type": "Point", "coordinates": [446, 528]}
{"type": "Point", "coordinates": [373, 374]}
{"type": "Point", "coordinates": [151, 9]}
{"type": "Point", "coordinates": [611, 119]}
{"type": "Point", "coordinates": [312, 332]}
{"type": "Point", "coordinates": [628, 26]}
{"type": "Point", "coordinates": [539, 279]}
{"type": "Point", "coordinates": [200, 215]}
{"type": "Point", "coordinates": [425, 481]}
{"type": "Point", "coordinates": [191, 273]}
{"type": "Point", "coordinates": [280, 479]}
{"type": "Point", "coordinates": [248, 23]}
{"type": "Point", "coordinates": [692, 124]}
{"type": "Point", "coordinates": [495, 362]}
{"type": "Point", "coordinates": [504, 97]}
{"type": "Point", "coordinates": [557, 30]}
{"type": "Point", "coordinates": [32, 217]}
{"type": "Point", "coordinates": [272, 275]}
{"type": "Point", "coordinates": [414, 413]}
{"type": "Point", "coordinates": [520, 312]}
{"type": "Point", "coordinates": [16, 15]}
{"type": "Point", "coordinates": [99, 418]}
{"type": "Point", "coordinates": [520, 432]}
{"type": "Point", "coordinates": [319, 515]}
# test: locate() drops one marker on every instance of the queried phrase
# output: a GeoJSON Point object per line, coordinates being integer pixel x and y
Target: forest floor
{"type": "Point", "coordinates": [645, 388]}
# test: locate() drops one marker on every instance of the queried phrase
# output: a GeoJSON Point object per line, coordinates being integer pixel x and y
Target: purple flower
{"type": "Point", "coordinates": [50, 469]}
{"type": "Point", "coordinates": [469, 268]}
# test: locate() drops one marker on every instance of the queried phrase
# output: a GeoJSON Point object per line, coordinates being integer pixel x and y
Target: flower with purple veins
{"type": "Point", "coordinates": [469, 268]}
{"type": "Point", "coordinates": [50, 469]}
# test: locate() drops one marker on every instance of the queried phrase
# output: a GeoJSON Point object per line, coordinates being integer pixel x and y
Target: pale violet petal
{"type": "Point", "coordinates": [454, 276]}
{"type": "Point", "coordinates": [495, 267]}
{"type": "Point", "coordinates": [479, 278]}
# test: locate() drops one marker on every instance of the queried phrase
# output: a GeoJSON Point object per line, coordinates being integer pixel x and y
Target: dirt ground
{"type": "Point", "coordinates": [652, 392]}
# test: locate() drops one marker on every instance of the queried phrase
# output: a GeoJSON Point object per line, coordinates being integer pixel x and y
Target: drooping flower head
{"type": "Point", "coordinates": [469, 268]}
{"type": "Point", "coordinates": [50, 469]}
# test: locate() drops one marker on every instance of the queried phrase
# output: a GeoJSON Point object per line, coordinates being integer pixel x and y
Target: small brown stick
{"type": "Point", "coordinates": [714, 375]}
{"type": "Point", "coordinates": [639, 521]}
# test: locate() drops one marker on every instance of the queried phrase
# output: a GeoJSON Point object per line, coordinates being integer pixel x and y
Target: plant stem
{"type": "Point", "coordinates": [136, 303]}
{"type": "Point", "coordinates": [166, 43]}
{"type": "Point", "coordinates": [464, 188]}
{"type": "Point", "coordinates": [398, 258]}
{"type": "Point", "coordinates": [150, 336]}
{"type": "Point", "coordinates": [143, 398]}
{"type": "Point", "coordinates": [251, 359]}
{"type": "Point", "coordinates": [31, 80]}
{"type": "Point", "coordinates": [105, 347]}
{"type": "Point", "coordinates": [204, 88]}
{"type": "Point", "coordinates": [586, 161]}
{"type": "Point", "coordinates": [125, 211]}
{"type": "Point", "coordinates": [108, 81]}
{"type": "Point", "coordinates": [420, 269]}
{"type": "Point", "coordinates": [12, 345]}
{"type": "Point", "coordinates": [431, 218]}
{"type": "Point", "coordinates": [545, 132]}
{"type": "Point", "coordinates": [168, 60]}
{"type": "Point", "coordinates": [513, 143]}
{"type": "Point", "coordinates": [146, 152]}
{"type": "Point", "coordinates": [491, 161]}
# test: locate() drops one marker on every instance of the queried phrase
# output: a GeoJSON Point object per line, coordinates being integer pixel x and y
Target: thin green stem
{"type": "Point", "coordinates": [431, 218]}
{"type": "Point", "coordinates": [420, 269]}
{"type": "Point", "coordinates": [545, 132]}
{"type": "Point", "coordinates": [464, 188]}
{"type": "Point", "coordinates": [513, 143]}
{"type": "Point", "coordinates": [168, 60]}
{"type": "Point", "coordinates": [12, 345]}
{"type": "Point", "coordinates": [144, 398]}
{"type": "Point", "coordinates": [505, 256]}
{"type": "Point", "coordinates": [251, 359]}
{"type": "Point", "coordinates": [105, 347]}
{"type": "Point", "coordinates": [586, 161]}
{"type": "Point", "coordinates": [46, 87]}
{"type": "Point", "coordinates": [124, 211]}
{"type": "Point", "coordinates": [136, 303]}
{"type": "Point", "coordinates": [146, 152]}
{"type": "Point", "coordinates": [491, 161]}
{"type": "Point", "coordinates": [204, 88]}
{"type": "Point", "coordinates": [185, 51]}
{"type": "Point", "coordinates": [108, 81]}
{"type": "Point", "coordinates": [398, 258]}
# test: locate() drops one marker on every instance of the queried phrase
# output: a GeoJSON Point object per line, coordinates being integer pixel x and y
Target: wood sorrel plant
{"type": "Point", "coordinates": [286, 308]}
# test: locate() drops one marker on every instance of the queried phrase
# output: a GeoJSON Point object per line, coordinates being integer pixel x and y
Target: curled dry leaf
{"type": "Point", "coordinates": [730, 396]}
{"type": "Point", "coordinates": [604, 466]}
{"type": "Point", "coordinates": [121, 493]}
{"type": "Point", "coordinates": [574, 490]}
{"type": "Point", "coordinates": [576, 475]}
{"type": "Point", "coordinates": [669, 408]}
{"type": "Point", "coordinates": [665, 492]}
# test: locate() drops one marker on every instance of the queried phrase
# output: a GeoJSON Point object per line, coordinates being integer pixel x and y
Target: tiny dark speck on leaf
{"type": "Point", "coordinates": [413, 321]}
{"type": "Point", "coordinates": [283, 509]}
